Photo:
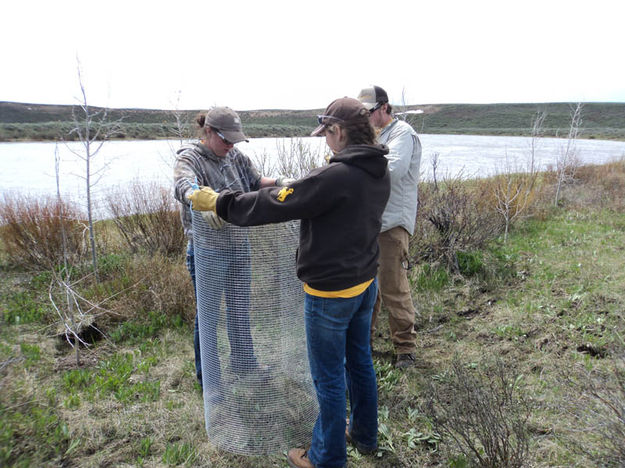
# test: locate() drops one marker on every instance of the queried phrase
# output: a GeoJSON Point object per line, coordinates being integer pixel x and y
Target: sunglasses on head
{"type": "Point", "coordinates": [223, 138]}
{"type": "Point", "coordinates": [376, 107]}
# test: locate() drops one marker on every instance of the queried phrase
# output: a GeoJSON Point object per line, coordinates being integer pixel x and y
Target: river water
{"type": "Point", "coordinates": [29, 168]}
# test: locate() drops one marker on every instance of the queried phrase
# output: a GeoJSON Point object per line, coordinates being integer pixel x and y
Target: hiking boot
{"type": "Point", "coordinates": [405, 360]}
{"type": "Point", "coordinates": [362, 449]}
{"type": "Point", "coordinates": [298, 458]}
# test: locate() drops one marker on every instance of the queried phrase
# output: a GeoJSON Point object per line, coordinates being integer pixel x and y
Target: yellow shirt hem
{"type": "Point", "coordinates": [342, 293]}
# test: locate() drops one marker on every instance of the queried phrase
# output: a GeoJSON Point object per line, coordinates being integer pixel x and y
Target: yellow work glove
{"type": "Point", "coordinates": [203, 199]}
{"type": "Point", "coordinates": [283, 181]}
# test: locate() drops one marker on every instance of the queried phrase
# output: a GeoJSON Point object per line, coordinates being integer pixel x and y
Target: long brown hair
{"type": "Point", "coordinates": [359, 131]}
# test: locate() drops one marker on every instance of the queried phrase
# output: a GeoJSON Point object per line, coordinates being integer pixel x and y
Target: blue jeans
{"type": "Point", "coordinates": [225, 272]}
{"type": "Point", "coordinates": [196, 330]}
{"type": "Point", "coordinates": [337, 332]}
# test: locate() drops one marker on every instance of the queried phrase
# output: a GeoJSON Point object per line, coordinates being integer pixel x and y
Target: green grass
{"type": "Point", "coordinates": [23, 307]}
{"type": "Point", "coordinates": [32, 431]}
{"type": "Point", "coordinates": [137, 331]}
{"type": "Point", "coordinates": [179, 454]}
{"type": "Point", "coordinates": [549, 302]}
{"type": "Point", "coordinates": [432, 278]}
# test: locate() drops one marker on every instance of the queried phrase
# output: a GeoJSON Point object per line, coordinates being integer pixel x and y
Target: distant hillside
{"type": "Point", "coordinates": [19, 121]}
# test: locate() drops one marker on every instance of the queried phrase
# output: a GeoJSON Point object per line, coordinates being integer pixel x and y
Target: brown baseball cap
{"type": "Point", "coordinates": [340, 110]}
{"type": "Point", "coordinates": [227, 122]}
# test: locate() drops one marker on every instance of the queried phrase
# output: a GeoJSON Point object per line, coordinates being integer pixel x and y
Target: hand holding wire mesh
{"type": "Point", "coordinates": [203, 199]}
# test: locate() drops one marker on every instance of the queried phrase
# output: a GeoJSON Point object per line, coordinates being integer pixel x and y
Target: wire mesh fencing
{"type": "Point", "coordinates": [258, 394]}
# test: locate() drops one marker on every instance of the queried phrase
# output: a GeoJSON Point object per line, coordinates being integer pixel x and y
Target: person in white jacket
{"type": "Point", "coordinates": [398, 223]}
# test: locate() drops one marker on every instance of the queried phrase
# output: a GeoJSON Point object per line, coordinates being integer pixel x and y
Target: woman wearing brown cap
{"type": "Point", "coordinates": [340, 206]}
{"type": "Point", "coordinates": [216, 162]}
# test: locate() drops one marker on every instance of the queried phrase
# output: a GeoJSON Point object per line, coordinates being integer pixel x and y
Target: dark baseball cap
{"type": "Point", "coordinates": [372, 96]}
{"type": "Point", "coordinates": [340, 110]}
{"type": "Point", "coordinates": [227, 122]}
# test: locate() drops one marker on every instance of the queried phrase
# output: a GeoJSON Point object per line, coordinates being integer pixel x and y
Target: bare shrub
{"type": "Point", "coordinates": [597, 401]}
{"type": "Point", "coordinates": [609, 408]}
{"type": "Point", "coordinates": [484, 411]}
{"type": "Point", "coordinates": [568, 160]}
{"type": "Point", "coordinates": [514, 192]}
{"type": "Point", "coordinates": [160, 284]}
{"type": "Point", "coordinates": [76, 314]}
{"type": "Point", "coordinates": [295, 159]}
{"type": "Point", "coordinates": [515, 183]}
{"type": "Point", "coordinates": [147, 218]}
{"type": "Point", "coordinates": [32, 230]}
{"type": "Point", "coordinates": [453, 216]}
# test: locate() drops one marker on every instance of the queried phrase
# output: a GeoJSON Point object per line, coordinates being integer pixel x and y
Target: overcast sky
{"type": "Point", "coordinates": [263, 54]}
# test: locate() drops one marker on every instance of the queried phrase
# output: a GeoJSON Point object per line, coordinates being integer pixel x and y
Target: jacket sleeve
{"type": "Point", "coordinates": [401, 147]}
{"type": "Point", "coordinates": [305, 198]}
{"type": "Point", "coordinates": [184, 172]}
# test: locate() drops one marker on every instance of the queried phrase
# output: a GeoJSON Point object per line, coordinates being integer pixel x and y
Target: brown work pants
{"type": "Point", "coordinates": [394, 290]}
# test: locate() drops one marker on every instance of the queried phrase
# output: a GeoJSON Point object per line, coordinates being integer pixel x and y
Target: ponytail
{"type": "Point", "coordinates": [200, 120]}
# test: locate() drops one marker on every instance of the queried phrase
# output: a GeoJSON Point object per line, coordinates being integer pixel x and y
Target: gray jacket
{"type": "Point", "coordinates": [404, 158]}
{"type": "Point", "coordinates": [195, 163]}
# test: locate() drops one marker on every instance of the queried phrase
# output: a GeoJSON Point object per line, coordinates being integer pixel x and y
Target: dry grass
{"type": "Point", "coordinates": [32, 229]}
{"type": "Point", "coordinates": [605, 186]}
{"type": "Point", "coordinates": [159, 284]}
{"type": "Point", "coordinates": [147, 218]}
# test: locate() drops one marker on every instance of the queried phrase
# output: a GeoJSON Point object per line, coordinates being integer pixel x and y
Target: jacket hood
{"type": "Point", "coordinates": [369, 158]}
{"type": "Point", "coordinates": [189, 146]}
{"type": "Point", "coordinates": [200, 149]}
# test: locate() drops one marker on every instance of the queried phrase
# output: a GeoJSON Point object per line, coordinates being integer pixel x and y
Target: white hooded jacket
{"type": "Point", "coordinates": [404, 158]}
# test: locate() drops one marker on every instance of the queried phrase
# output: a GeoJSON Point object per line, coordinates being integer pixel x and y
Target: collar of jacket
{"type": "Point", "coordinates": [370, 158]}
{"type": "Point", "coordinates": [388, 127]}
{"type": "Point", "coordinates": [208, 154]}
{"type": "Point", "coordinates": [351, 151]}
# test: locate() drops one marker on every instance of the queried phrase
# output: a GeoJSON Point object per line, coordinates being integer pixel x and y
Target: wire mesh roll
{"type": "Point", "coordinates": [258, 394]}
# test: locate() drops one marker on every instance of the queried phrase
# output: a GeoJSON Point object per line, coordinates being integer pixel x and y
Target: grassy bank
{"type": "Point", "coordinates": [48, 122]}
{"type": "Point", "coordinates": [520, 344]}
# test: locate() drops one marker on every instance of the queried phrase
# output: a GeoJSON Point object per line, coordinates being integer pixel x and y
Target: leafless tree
{"type": "Point", "coordinates": [179, 130]}
{"type": "Point", "coordinates": [92, 127]}
{"type": "Point", "coordinates": [73, 316]}
{"type": "Point", "coordinates": [538, 132]}
{"type": "Point", "coordinates": [568, 162]}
